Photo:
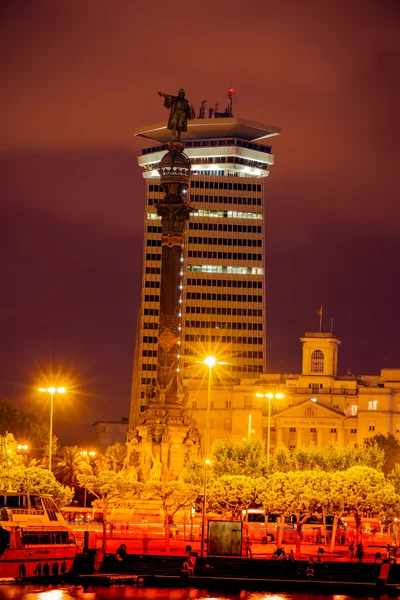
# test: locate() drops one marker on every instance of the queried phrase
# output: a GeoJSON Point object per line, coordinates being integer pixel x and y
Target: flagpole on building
{"type": "Point", "coordinates": [320, 319]}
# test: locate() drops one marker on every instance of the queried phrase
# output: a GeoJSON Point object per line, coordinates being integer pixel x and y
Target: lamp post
{"type": "Point", "coordinates": [88, 456]}
{"type": "Point", "coordinates": [269, 396]}
{"type": "Point", "coordinates": [52, 390]}
{"type": "Point", "coordinates": [210, 361]}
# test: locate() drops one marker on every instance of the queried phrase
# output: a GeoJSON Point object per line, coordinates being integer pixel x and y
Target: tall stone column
{"type": "Point", "coordinates": [166, 433]}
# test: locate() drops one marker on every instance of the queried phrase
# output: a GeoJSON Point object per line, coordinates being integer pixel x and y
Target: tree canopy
{"type": "Point", "coordinates": [26, 426]}
{"type": "Point", "coordinates": [389, 445]}
{"type": "Point", "coordinates": [41, 481]}
{"type": "Point", "coordinates": [244, 458]}
{"type": "Point", "coordinates": [231, 494]}
{"type": "Point", "coordinates": [174, 495]}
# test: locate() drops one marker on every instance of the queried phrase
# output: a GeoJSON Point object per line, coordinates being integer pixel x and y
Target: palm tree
{"type": "Point", "coordinates": [69, 464]}
{"type": "Point", "coordinates": [112, 459]}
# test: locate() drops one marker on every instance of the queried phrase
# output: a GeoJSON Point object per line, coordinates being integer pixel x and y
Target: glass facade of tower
{"type": "Point", "coordinates": [223, 263]}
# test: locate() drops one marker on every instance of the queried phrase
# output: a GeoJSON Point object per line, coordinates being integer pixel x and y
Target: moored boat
{"type": "Point", "coordinates": [35, 540]}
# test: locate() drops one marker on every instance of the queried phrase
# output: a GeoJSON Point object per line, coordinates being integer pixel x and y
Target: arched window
{"type": "Point", "coordinates": [317, 361]}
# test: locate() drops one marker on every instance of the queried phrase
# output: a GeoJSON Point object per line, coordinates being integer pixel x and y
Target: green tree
{"type": "Point", "coordinates": [193, 473]}
{"type": "Point", "coordinates": [365, 490]}
{"type": "Point", "coordinates": [174, 495]}
{"type": "Point", "coordinates": [231, 494]}
{"type": "Point", "coordinates": [40, 481]}
{"type": "Point", "coordinates": [25, 425]}
{"type": "Point", "coordinates": [108, 487]}
{"type": "Point", "coordinates": [390, 446]}
{"type": "Point", "coordinates": [239, 458]}
{"type": "Point", "coordinates": [282, 460]}
{"type": "Point", "coordinates": [294, 492]}
{"type": "Point", "coordinates": [336, 458]}
{"type": "Point", "coordinates": [69, 464]}
{"type": "Point", "coordinates": [112, 459]}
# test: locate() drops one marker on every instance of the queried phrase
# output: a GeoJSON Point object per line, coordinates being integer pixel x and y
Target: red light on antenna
{"type": "Point", "coordinates": [231, 90]}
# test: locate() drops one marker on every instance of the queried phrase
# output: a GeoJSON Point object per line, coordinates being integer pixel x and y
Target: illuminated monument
{"type": "Point", "coordinates": [208, 284]}
{"type": "Point", "coordinates": [165, 434]}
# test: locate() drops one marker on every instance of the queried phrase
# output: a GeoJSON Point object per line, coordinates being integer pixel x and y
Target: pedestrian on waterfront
{"type": "Point", "coordinates": [360, 553]}
{"type": "Point", "coordinates": [291, 556]}
{"type": "Point", "coordinates": [321, 550]}
{"type": "Point", "coordinates": [188, 566]}
{"type": "Point", "coordinates": [121, 552]}
{"type": "Point", "coordinates": [352, 553]}
{"type": "Point", "coordinates": [309, 573]}
{"type": "Point", "coordinates": [388, 550]}
{"type": "Point", "coordinates": [145, 542]}
{"type": "Point", "coordinates": [247, 546]}
{"type": "Point", "coordinates": [319, 559]}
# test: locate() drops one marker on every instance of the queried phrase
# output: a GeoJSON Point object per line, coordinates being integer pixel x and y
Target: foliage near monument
{"type": "Point", "coordinates": [244, 458]}
{"type": "Point", "coordinates": [327, 458]}
{"type": "Point", "coordinates": [108, 487]}
{"type": "Point", "coordinates": [297, 493]}
{"type": "Point", "coordinates": [231, 494]}
{"type": "Point", "coordinates": [40, 481]}
{"type": "Point", "coordinates": [193, 473]}
{"type": "Point", "coordinates": [69, 464]}
{"type": "Point", "coordinates": [112, 459]}
{"type": "Point", "coordinates": [174, 496]}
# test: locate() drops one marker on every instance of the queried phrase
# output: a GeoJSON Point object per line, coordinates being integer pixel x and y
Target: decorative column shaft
{"type": "Point", "coordinates": [174, 212]}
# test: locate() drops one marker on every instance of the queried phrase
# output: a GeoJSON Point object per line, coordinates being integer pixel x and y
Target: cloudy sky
{"type": "Point", "coordinates": [80, 75]}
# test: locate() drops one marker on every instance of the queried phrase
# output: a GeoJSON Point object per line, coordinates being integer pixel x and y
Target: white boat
{"type": "Point", "coordinates": [35, 540]}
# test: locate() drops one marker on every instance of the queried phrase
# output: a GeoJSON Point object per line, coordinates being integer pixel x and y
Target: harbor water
{"type": "Point", "coordinates": [14, 592]}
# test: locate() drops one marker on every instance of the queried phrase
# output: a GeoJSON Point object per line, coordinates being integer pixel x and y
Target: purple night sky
{"type": "Point", "coordinates": [79, 76]}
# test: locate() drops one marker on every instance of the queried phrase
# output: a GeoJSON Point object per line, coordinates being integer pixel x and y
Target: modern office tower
{"type": "Point", "coordinates": [223, 265]}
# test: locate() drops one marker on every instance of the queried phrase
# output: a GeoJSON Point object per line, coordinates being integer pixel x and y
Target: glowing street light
{"type": "Point", "coordinates": [52, 390]}
{"type": "Point", "coordinates": [210, 361]}
{"type": "Point", "coordinates": [278, 396]}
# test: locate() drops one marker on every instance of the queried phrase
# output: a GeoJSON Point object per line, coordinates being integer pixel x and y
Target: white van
{"type": "Point", "coordinates": [265, 528]}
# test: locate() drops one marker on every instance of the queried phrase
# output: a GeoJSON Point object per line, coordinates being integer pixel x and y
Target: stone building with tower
{"type": "Point", "coordinates": [319, 406]}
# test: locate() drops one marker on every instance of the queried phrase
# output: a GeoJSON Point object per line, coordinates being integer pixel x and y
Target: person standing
{"type": "Point", "coordinates": [145, 542]}
{"type": "Point", "coordinates": [247, 547]}
{"type": "Point", "coordinates": [360, 553]}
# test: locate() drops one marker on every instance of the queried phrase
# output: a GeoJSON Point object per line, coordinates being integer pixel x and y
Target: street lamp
{"type": "Point", "coordinates": [88, 456]}
{"type": "Point", "coordinates": [52, 390]}
{"type": "Point", "coordinates": [269, 396]}
{"type": "Point", "coordinates": [210, 361]}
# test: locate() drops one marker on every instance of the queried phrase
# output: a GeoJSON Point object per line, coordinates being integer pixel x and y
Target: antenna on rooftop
{"type": "Point", "coordinates": [228, 110]}
{"type": "Point", "coordinates": [202, 109]}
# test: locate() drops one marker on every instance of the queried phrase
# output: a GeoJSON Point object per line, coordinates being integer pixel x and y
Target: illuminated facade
{"type": "Point", "coordinates": [319, 407]}
{"type": "Point", "coordinates": [223, 266]}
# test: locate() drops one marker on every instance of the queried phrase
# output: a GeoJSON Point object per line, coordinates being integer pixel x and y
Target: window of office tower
{"type": "Point", "coordinates": [317, 361]}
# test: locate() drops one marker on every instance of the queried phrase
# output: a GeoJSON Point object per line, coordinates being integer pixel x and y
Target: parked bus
{"type": "Point", "coordinates": [265, 528]}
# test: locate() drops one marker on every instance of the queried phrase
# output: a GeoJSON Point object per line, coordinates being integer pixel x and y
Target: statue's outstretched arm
{"type": "Point", "coordinates": [162, 94]}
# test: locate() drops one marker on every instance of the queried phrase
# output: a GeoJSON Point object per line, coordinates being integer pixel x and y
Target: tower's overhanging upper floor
{"type": "Point", "coordinates": [232, 145]}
